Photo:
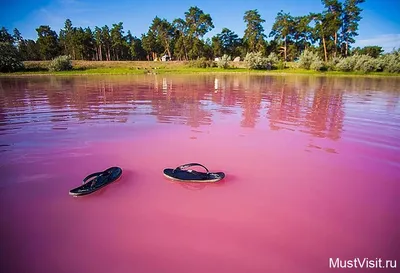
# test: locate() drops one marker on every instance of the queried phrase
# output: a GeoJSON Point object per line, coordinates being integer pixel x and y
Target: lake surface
{"type": "Point", "coordinates": [312, 170]}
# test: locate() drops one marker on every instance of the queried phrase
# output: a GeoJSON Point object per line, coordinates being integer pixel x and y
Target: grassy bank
{"type": "Point", "coordinates": [174, 67]}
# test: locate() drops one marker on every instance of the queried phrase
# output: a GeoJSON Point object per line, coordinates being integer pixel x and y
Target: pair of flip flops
{"type": "Point", "coordinates": [96, 181]}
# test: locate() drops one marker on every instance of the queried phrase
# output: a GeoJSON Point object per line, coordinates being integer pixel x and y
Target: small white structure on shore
{"type": "Point", "coordinates": [165, 58]}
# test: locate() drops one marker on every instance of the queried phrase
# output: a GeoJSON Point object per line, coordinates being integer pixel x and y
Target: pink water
{"type": "Point", "coordinates": [312, 173]}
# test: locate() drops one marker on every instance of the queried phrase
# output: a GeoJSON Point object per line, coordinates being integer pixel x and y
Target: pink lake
{"type": "Point", "coordinates": [312, 170]}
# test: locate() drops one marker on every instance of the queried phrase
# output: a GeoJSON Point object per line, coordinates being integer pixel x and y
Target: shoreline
{"type": "Point", "coordinates": [86, 68]}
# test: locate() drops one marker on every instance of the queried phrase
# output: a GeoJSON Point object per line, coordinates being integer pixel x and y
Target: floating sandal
{"type": "Point", "coordinates": [97, 181]}
{"type": "Point", "coordinates": [179, 174]}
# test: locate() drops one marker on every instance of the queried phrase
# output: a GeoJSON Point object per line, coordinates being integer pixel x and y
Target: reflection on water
{"type": "Point", "coordinates": [317, 106]}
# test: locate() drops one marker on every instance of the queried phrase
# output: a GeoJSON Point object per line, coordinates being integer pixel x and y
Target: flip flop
{"type": "Point", "coordinates": [180, 174]}
{"type": "Point", "coordinates": [96, 181]}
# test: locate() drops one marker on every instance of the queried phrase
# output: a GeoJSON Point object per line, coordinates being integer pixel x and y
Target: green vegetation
{"type": "Point", "coordinates": [309, 60]}
{"type": "Point", "coordinates": [61, 63]}
{"type": "Point", "coordinates": [10, 60]}
{"type": "Point", "coordinates": [255, 60]}
{"type": "Point", "coordinates": [224, 61]}
{"type": "Point", "coordinates": [174, 67]}
{"type": "Point", "coordinates": [389, 63]}
{"type": "Point", "coordinates": [318, 41]}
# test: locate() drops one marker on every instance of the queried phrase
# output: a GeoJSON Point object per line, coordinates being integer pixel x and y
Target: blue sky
{"type": "Point", "coordinates": [380, 24]}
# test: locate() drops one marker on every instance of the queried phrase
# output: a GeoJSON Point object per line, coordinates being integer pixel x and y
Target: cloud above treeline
{"type": "Point", "coordinates": [387, 41]}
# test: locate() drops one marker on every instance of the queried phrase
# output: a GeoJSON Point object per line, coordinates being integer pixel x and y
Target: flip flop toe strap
{"type": "Point", "coordinates": [185, 166]}
{"type": "Point", "coordinates": [93, 175]}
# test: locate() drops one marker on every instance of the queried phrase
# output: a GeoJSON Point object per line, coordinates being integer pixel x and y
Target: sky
{"type": "Point", "coordinates": [380, 24]}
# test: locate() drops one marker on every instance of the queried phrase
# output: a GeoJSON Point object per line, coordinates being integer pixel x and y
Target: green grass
{"type": "Point", "coordinates": [137, 68]}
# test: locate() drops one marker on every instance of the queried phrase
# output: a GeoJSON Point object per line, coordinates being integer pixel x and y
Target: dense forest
{"type": "Point", "coordinates": [331, 33]}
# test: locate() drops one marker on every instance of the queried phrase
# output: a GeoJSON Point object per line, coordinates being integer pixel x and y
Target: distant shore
{"type": "Point", "coordinates": [171, 67]}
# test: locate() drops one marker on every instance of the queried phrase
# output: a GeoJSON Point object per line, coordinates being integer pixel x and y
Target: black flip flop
{"type": "Point", "coordinates": [97, 181]}
{"type": "Point", "coordinates": [180, 174]}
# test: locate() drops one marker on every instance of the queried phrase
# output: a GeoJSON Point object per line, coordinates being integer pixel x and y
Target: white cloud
{"type": "Point", "coordinates": [386, 41]}
{"type": "Point", "coordinates": [56, 13]}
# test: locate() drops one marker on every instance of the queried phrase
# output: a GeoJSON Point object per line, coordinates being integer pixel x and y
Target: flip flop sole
{"type": "Point", "coordinates": [168, 173]}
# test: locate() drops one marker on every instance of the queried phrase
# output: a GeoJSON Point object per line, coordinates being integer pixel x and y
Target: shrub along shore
{"type": "Point", "coordinates": [309, 63]}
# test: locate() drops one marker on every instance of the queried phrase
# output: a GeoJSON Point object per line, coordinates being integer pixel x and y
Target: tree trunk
{"type": "Point", "coordinates": [285, 50]}
{"type": "Point", "coordinates": [184, 48]}
{"type": "Point", "coordinates": [326, 56]}
{"type": "Point", "coordinates": [167, 47]}
{"type": "Point", "coordinates": [334, 53]}
{"type": "Point", "coordinates": [347, 48]}
{"type": "Point", "coordinates": [100, 53]}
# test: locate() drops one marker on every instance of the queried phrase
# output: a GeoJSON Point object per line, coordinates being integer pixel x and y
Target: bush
{"type": "Point", "coordinates": [366, 63]}
{"type": "Point", "coordinates": [273, 60]}
{"type": "Point", "coordinates": [347, 64]}
{"type": "Point", "coordinates": [224, 61]}
{"type": "Point", "coordinates": [307, 58]}
{"type": "Point", "coordinates": [255, 60]}
{"type": "Point", "coordinates": [391, 62]}
{"type": "Point", "coordinates": [10, 59]}
{"type": "Point", "coordinates": [201, 63]}
{"type": "Point", "coordinates": [60, 63]}
{"type": "Point", "coordinates": [361, 63]}
{"type": "Point", "coordinates": [317, 65]}
{"type": "Point", "coordinates": [331, 65]}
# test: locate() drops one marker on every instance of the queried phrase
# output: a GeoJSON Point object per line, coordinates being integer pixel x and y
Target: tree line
{"type": "Point", "coordinates": [331, 33]}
